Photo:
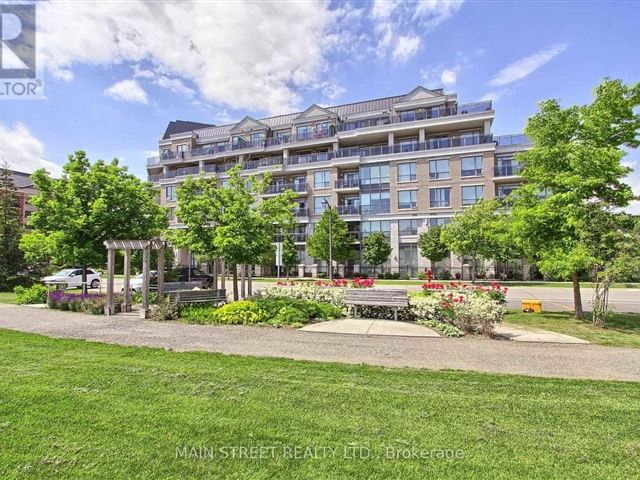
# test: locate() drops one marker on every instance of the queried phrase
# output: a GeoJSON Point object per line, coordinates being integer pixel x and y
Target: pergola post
{"type": "Point", "coordinates": [223, 273]}
{"type": "Point", "coordinates": [214, 267]}
{"type": "Point", "coordinates": [243, 270]}
{"type": "Point", "coordinates": [146, 258]}
{"type": "Point", "coordinates": [109, 308]}
{"type": "Point", "coordinates": [160, 274]}
{"type": "Point", "coordinates": [249, 274]}
{"type": "Point", "coordinates": [126, 306]}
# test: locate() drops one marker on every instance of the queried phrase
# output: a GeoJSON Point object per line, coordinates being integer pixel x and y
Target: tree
{"type": "Point", "coordinates": [89, 204]}
{"type": "Point", "coordinates": [431, 245]}
{"type": "Point", "coordinates": [376, 249]}
{"type": "Point", "coordinates": [576, 163]}
{"type": "Point", "coordinates": [11, 258]}
{"type": "Point", "coordinates": [341, 241]}
{"type": "Point", "coordinates": [289, 253]}
{"type": "Point", "coordinates": [473, 232]}
{"type": "Point", "coordinates": [230, 221]}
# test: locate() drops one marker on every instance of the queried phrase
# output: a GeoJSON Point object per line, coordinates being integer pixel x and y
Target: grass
{"type": "Point", "coordinates": [74, 409]}
{"type": "Point", "coordinates": [479, 282]}
{"type": "Point", "coordinates": [8, 297]}
{"type": "Point", "coordinates": [623, 330]}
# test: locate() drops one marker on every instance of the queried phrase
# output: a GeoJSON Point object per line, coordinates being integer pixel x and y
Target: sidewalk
{"type": "Point", "coordinates": [478, 354]}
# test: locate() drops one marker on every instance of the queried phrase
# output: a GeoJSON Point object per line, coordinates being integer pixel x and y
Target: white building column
{"type": "Point", "coordinates": [390, 138]}
{"type": "Point", "coordinates": [394, 240]}
{"type": "Point", "coordinates": [422, 135]}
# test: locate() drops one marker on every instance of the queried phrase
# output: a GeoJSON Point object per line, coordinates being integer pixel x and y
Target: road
{"type": "Point", "coordinates": [554, 299]}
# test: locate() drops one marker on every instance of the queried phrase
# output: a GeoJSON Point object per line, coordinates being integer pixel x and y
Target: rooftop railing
{"type": "Point", "coordinates": [515, 139]}
{"type": "Point", "coordinates": [464, 109]}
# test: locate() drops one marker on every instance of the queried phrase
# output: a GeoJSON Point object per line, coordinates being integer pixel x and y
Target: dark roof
{"type": "Point", "coordinates": [21, 179]}
{"type": "Point", "coordinates": [180, 126]}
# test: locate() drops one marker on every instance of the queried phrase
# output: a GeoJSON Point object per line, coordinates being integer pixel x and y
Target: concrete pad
{"type": "Point", "coordinates": [539, 336]}
{"type": "Point", "coordinates": [353, 326]}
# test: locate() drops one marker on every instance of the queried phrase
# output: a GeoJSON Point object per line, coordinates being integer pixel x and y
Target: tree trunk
{"type": "Point", "coordinates": [84, 279]}
{"type": "Point", "coordinates": [577, 298]}
{"type": "Point", "coordinates": [249, 289]}
{"type": "Point", "coordinates": [473, 270]}
{"type": "Point", "coordinates": [235, 282]}
{"type": "Point", "coordinates": [243, 282]}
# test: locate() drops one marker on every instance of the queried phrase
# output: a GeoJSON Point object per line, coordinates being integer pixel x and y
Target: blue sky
{"type": "Point", "coordinates": [116, 72]}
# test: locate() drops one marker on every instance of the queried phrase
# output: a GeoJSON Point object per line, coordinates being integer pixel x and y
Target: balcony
{"type": "Point", "coordinates": [417, 116]}
{"type": "Point", "coordinates": [374, 209]}
{"type": "Point", "coordinates": [155, 178]}
{"type": "Point", "coordinates": [347, 183]}
{"type": "Point", "coordinates": [300, 187]}
{"type": "Point", "coordinates": [301, 212]}
{"type": "Point", "coordinates": [309, 158]}
{"type": "Point", "coordinates": [299, 237]}
{"type": "Point", "coordinates": [511, 140]}
{"type": "Point", "coordinates": [507, 170]}
{"type": "Point", "coordinates": [348, 209]}
{"type": "Point", "coordinates": [262, 163]}
{"type": "Point", "coordinates": [225, 167]}
{"type": "Point", "coordinates": [182, 172]}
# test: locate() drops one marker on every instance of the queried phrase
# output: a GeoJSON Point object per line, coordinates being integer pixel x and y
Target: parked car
{"type": "Point", "coordinates": [195, 275]}
{"type": "Point", "coordinates": [136, 282]}
{"type": "Point", "coordinates": [72, 278]}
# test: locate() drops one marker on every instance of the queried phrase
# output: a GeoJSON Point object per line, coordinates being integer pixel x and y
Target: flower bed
{"type": "Point", "coordinates": [494, 291]}
{"type": "Point", "coordinates": [92, 303]}
{"type": "Point", "coordinates": [357, 282]}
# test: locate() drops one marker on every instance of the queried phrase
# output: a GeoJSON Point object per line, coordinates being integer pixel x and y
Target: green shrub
{"type": "Point", "coordinates": [163, 311]}
{"type": "Point", "coordinates": [245, 312]}
{"type": "Point", "coordinates": [198, 314]}
{"type": "Point", "coordinates": [32, 295]}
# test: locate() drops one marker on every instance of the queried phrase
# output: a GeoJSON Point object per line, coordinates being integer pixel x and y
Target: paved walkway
{"type": "Point", "coordinates": [350, 326]}
{"type": "Point", "coordinates": [479, 354]}
{"type": "Point", "coordinates": [517, 334]}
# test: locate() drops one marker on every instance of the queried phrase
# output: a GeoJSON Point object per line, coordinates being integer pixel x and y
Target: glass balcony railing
{"type": "Point", "coordinates": [309, 158]}
{"type": "Point", "coordinates": [299, 187]}
{"type": "Point", "coordinates": [348, 209]}
{"type": "Point", "coordinates": [262, 163]}
{"type": "Point", "coordinates": [464, 109]}
{"type": "Point", "coordinates": [507, 170]}
{"type": "Point", "coordinates": [301, 212]}
{"type": "Point", "coordinates": [351, 182]}
{"type": "Point", "coordinates": [509, 140]}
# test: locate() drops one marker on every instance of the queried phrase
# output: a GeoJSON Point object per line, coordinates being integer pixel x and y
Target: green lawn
{"type": "Point", "coordinates": [7, 297]}
{"type": "Point", "coordinates": [74, 409]}
{"type": "Point", "coordinates": [622, 331]}
{"type": "Point", "coordinates": [480, 282]}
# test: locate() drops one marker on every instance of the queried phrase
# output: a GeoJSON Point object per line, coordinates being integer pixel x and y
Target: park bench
{"type": "Point", "coordinates": [177, 286]}
{"type": "Point", "coordinates": [214, 297]}
{"type": "Point", "coordinates": [377, 297]}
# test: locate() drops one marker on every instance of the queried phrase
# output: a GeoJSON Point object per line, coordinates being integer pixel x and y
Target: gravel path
{"type": "Point", "coordinates": [479, 354]}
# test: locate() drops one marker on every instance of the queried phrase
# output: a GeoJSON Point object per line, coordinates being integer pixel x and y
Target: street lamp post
{"type": "Point", "coordinates": [330, 240]}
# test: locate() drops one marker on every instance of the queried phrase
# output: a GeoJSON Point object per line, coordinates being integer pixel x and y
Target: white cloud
{"type": "Point", "coordinates": [526, 66]}
{"type": "Point", "coordinates": [448, 77]}
{"type": "Point", "coordinates": [259, 64]}
{"type": "Point", "coordinates": [128, 91]}
{"type": "Point", "coordinates": [406, 47]}
{"type": "Point", "coordinates": [494, 95]}
{"type": "Point", "coordinates": [23, 151]}
{"type": "Point", "coordinates": [436, 76]}
{"type": "Point", "coordinates": [398, 25]}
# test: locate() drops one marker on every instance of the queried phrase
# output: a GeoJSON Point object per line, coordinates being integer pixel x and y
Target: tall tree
{"type": "Point", "coordinates": [431, 245]}
{"type": "Point", "coordinates": [472, 233]}
{"type": "Point", "coordinates": [11, 258]}
{"type": "Point", "coordinates": [231, 221]}
{"type": "Point", "coordinates": [89, 204]}
{"type": "Point", "coordinates": [341, 241]}
{"type": "Point", "coordinates": [576, 163]}
{"type": "Point", "coordinates": [376, 249]}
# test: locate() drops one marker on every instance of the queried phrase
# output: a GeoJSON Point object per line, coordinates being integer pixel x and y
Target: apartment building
{"type": "Point", "coordinates": [397, 164]}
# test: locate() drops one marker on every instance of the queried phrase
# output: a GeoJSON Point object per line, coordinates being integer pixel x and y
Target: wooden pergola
{"type": "Point", "coordinates": [128, 245]}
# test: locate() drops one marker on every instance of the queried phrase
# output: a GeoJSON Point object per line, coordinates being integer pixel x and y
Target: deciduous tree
{"type": "Point", "coordinates": [341, 241]}
{"type": "Point", "coordinates": [376, 249]}
{"type": "Point", "coordinates": [431, 245]}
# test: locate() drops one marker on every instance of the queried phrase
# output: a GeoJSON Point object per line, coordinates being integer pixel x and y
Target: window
{"type": "Point", "coordinates": [407, 172]}
{"type": "Point", "coordinates": [503, 190]}
{"type": "Point", "coordinates": [323, 128]}
{"type": "Point", "coordinates": [256, 137]}
{"type": "Point", "coordinates": [172, 214]}
{"type": "Point", "coordinates": [408, 258]}
{"type": "Point", "coordinates": [439, 221]}
{"type": "Point", "coordinates": [305, 132]}
{"type": "Point", "coordinates": [374, 174]}
{"type": "Point", "coordinates": [507, 166]}
{"type": "Point", "coordinates": [471, 166]}
{"type": "Point", "coordinates": [320, 203]}
{"type": "Point", "coordinates": [383, 226]}
{"type": "Point", "coordinates": [170, 193]}
{"type": "Point", "coordinates": [283, 136]}
{"type": "Point", "coordinates": [181, 148]}
{"type": "Point", "coordinates": [440, 197]}
{"type": "Point", "coordinates": [439, 141]}
{"type": "Point", "coordinates": [321, 179]}
{"type": "Point", "coordinates": [471, 194]}
{"type": "Point", "coordinates": [408, 227]}
{"type": "Point", "coordinates": [407, 199]}
{"type": "Point", "coordinates": [407, 116]}
{"type": "Point", "coordinates": [375, 202]}
{"type": "Point", "coordinates": [439, 168]}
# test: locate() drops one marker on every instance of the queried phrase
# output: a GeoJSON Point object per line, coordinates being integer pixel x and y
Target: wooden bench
{"type": "Point", "coordinates": [377, 297]}
{"type": "Point", "coordinates": [198, 296]}
{"type": "Point", "coordinates": [177, 286]}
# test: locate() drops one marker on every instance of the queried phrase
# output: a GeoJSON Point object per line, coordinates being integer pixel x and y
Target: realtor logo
{"type": "Point", "coordinates": [18, 35]}
{"type": "Point", "coordinates": [18, 74]}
